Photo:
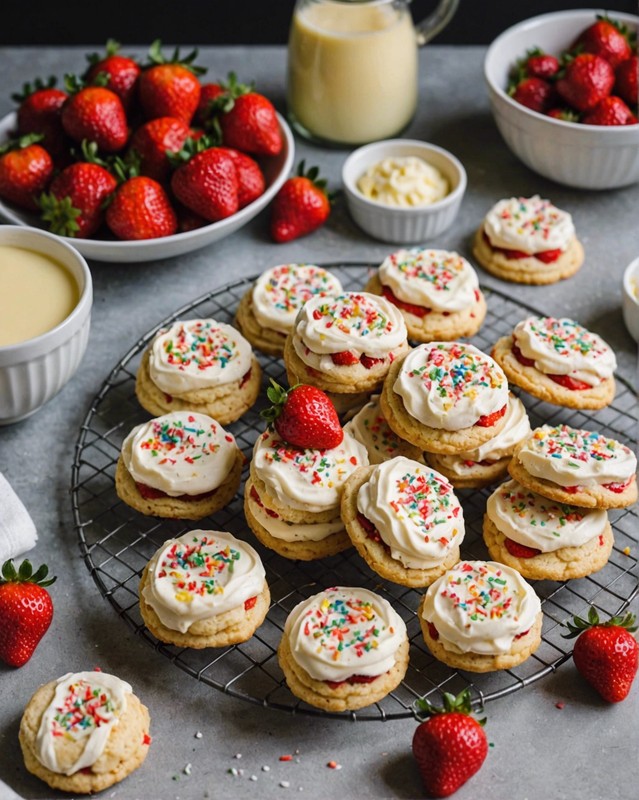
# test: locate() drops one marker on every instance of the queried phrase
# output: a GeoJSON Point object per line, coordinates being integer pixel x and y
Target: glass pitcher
{"type": "Point", "coordinates": [352, 67]}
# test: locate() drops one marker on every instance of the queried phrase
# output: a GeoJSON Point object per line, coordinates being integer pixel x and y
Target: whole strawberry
{"type": "Point", "coordinates": [300, 207]}
{"type": "Point", "coordinates": [450, 746]}
{"type": "Point", "coordinates": [534, 93]}
{"type": "Point", "coordinates": [606, 38]}
{"type": "Point", "coordinates": [587, 79]}
{"type": "Point", "coordinates": [626, 78]}
{"type": "Point", "coordinates": [606, 654]}
{"type": "Point", "coordinates": [154, 140]}
{"type": "Point", "coordinates": [40, 111]}
{"type": "Point", "coordinates": [170, 87]}
{"type": "Point", "coordinates": [25, 171]}
{"type": "Point", "coordinates": [205, 108]}
{"type": "Point", "coordinates": [250, 179]}
{"type": "Point", "coordinates": [304, 416]}
{"type": "Point", "coordinates": [541, 65]}
{"type": "Point", "coordinates": [97, 115]}
{"type": "Point", "coordinates": [141, 209]}
{"type": "Point", "coordinates": [207, 184]}
{"type": "Point", "coordinates": [248, 120]}
{"type": "Point", "coordinates": [610, 111]}
{"type": "Point", "coordinates": [121, 72]}
{"type": "Point", "coordinates": [26, 611]}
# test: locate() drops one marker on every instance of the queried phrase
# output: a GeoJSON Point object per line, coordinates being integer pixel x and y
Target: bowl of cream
{"type": "Point", "coordinates": [403, 190]}
{"type": "Point", "coordinates": [45, 314]}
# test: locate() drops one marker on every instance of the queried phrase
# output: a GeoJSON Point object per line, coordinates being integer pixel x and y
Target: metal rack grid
{"type": "Point", "coordinates": [116, 542]}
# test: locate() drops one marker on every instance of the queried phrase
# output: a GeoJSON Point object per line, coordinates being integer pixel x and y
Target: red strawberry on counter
{"type": "Point", "coordinates": [247, 120]}
{"type": "Point", "coordinates": [610, 111]}
{"type": "Point", "coordinates": [606, 654]}
{"type": "Point", "coordinates": [25, 171]}
{"type": "Point", "coordinates": [587, 79]}
{"type": "Point", "coordinates": [300, 207]}
{"type": "Point", "coordinates": [606, 38]}
{"type": "Point", "coordinates": [40, 111]}
{"type": "Point", "coordinates": [303, 416]}
{"type": "Point", "coordinates": [26, 611]}
{"type": "Point", "coordinates": [97, 115]}
{"type": "Point", "coordinates": [450, 746]}
{"type": "Point", "coordinates": [170, 87]}
{"type": "Point", "coordinates": [121, 72]}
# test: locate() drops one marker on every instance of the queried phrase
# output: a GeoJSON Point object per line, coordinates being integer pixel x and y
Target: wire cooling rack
{"type": "Point", "coordinates": [117, 542]}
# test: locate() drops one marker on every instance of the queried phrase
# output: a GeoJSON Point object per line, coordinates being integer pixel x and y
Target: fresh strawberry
{"type": "Point", "coordinates": [570, 383]}
{"type": "Point", "coordinates": [153, 140]}
{"type": "Point", "coordinates": [534, 93]}
{"type": "Point", "coordinates": [344, 359]}
{"type": "Point", "coordinates": [606, 38]}
{"type": "Point", "coordinates": [303, 416]}
{"type": "Point", "coordinates": [626, 77]}
{"type": "Point", "coordinates": [248, 120]}
{"type": "Point", "coordinates": [207, 184]}
{"type": "Point", "coordinates": [97, 115]}
{"type": "Point", "coordinates": [541, 65]}
{"type": "Point", "coordinates": [520, 550]}
{"type": "Point", "coordinates": [26, 611]}
{"type": "Point", "coordinates": [450, 746]}
{"type": "Point", "coordinates": [141, 209]}
{"type": "Point", "coordinates": [205, 108]}
{"type": "Point", "coordinates": [606, 654]}
{"type": "Point", "coordinates": [610, 111]}
{"type": "Point", "coordinates": [25, 171]}
{"type": "Point", "coordinates": [187, 220]}
{"type": "Point", "coordinates": [40, 111]}
{"type": "Point", "coordinates": [249, 177]}
{"type": "Point", "coordinates": [121, 72]}
{"type": "Point", "coordinates": [588, 78]}
{"type": "Point", "coordinates": [170, 87]}
{"type": "Point", "coordinates": [300, 207]}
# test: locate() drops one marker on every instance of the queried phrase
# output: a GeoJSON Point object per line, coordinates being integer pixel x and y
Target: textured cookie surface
{"type": "Point", "coordinates": [266, 340]}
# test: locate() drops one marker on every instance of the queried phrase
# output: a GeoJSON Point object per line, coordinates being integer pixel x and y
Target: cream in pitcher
{"type": "Point", "coordinates": [352, 67]}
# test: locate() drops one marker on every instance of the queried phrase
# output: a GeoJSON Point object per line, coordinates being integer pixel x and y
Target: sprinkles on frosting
{"type": "Point", "coordinates": [426, 500]}
{"type": "Point", "coordinates": [479, 592]}
{"type": "Point", "coordinates": [538, 511]}
{"type": "Point", "coordinates": [355, 314]}
{"type": "Point", "coordinates": [575, 446]}
{"type": "Point", "coordinates": [379, 436]}
{"type": "Point", "coordinates": [526, 214]}
{"type": "Point", "coordinates": [439, 268]}
{"type": "Point", "coordinates": [566, 337]}
{"type": "Point", "coordinates": [202, 343]}
{"type": "Point", "coordinates": [289, 286]}
{"type": "Point", "coordinates": [174, 440]}
{"type": "Point", "coordinates": [84, 707]}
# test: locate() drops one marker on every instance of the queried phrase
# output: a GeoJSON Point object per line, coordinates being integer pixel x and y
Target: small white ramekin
{"type": "Point", "coordinates": [630, 301]}
{"type": "Point", "coordinates": [33, 371]}
{"type": "Point", "coordinates": [396, 224]}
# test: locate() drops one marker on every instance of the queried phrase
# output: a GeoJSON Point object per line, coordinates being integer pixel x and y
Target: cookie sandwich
{"type": "Point", "coordinates": [369, 426]}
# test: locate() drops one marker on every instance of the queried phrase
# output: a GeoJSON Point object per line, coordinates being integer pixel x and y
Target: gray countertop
{"type": "Point", "coordinates": [586, 750]}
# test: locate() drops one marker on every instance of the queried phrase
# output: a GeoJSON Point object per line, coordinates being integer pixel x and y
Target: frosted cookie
{"type": "Point", "coordinates": [542, 539]}
{"type": "Point", "coordinates": [292, 497]}
{"type": "Point", "coordinates": [582, 468]}
{"type": "Point", "coordinates": [369, 427]}
{"type": "Point", "coordinates": [267, 311]}
{"type": "Point", "coordinates": [84, 732]}
{"type": "Point", "coordinates": [528, 240]}
{"type": "Point", "coordinates": [343, 649]}
{"type": "Point", "coordinates": [487, 463]}
{"type": "Point", "coordinates": [559, 361]}
{"type": "Point", "coordinates": [437, 292]}
{"type": "Point", "coordinates": [204, 589]}
{"type": "Point", "coordinates": [445, 397]}
{"type": "Point", "coordinates": [180, 466]}
{"type": "Point", "coordinates": [345, 344]}
{"type": "Point", "coordinates": [404, 520]}
{"type": "Point", "coordinates": [481, 616]}
{"type": "Point", "coordinates": [199, 365]}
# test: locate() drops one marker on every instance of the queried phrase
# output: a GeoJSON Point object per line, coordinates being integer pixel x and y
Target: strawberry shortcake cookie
{"type": "Point", "coordinates": [528, 240]}
{"type": "Point", "coordinates": [369, 427]}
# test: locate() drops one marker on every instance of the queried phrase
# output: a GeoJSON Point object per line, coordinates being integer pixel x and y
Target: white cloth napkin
{"type": "Point", "coordinates": [17, 531]}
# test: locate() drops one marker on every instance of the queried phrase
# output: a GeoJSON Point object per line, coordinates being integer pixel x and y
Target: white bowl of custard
{"type": "Point", "coordinates": [45, 315]}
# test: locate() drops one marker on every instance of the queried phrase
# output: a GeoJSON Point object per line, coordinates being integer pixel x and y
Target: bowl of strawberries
{"type": "Point", "coordinates": [139, 160]}
{"type": "Point", "coordinates": [563, 92]}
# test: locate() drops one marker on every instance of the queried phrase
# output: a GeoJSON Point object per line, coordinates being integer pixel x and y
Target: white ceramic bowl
{"type": "Point", "coordinates": [630, 301]}
{"type": "Point", "coordinates": [276, 171]}
{"type": "Point", "coordinates": [403, 225]}
{"type": "Point", "coordinates": [583, 156]}
{"type": "Point", "coordinates": [31, 372]}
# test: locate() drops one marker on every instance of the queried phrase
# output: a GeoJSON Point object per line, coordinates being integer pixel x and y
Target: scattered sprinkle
{"type": "Point", "coordinates": [334, 765]}
{"type": "Point", "coordinates": [253, 778]}
{"type": "Point", "coordinates": [285, 784]}
{"type": "Point", "coordinates": [286, 758]}
{"type": "Point", "coordinates": [232, 771]}
{"type": "Point", "coordinates": [198, 735]}
{"type": "Point", "coordinates": [491, 744]}
{"type": "Point", "coordinates": [266, 769]}
{"type": "Point", "coordinates": [626, 551]}
{"type": "Point", "coordinates": [560, 705]}
{"type": "Point", "coordinates": [187, 769]}
{"type": "Point", "coordinates": [237, 755]}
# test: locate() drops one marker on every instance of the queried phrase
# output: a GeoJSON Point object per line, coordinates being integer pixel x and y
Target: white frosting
{"type": "Point", "coordinates": [200, 575]}
{"type": "Point", "coordinates": [85, 708]}
{"type": "Point", "coordinates": [406, 181]}
{"type": "Point", "coordinates": [358, 322]}
{"type": "Point", "coordinates": [198, 354]}
{"type": "Point", "coordinates": [343, 632]}
{"type": "Point", "coordinates": [450, 385]}
{"type": "Point", "coordinates": [531, 225]}
{"type": "Point", "coordinates": [180, 453]}
{"type": "Point", "coordinates": [370, 428]}
{"type": "Point", "coordinates": [563, 347]}
{"type": "Point", "coordinates": [436, 279]}
{"type": "Point", "coordinates": [293, 531]}
{"type": "Point", "coordinates": [308, 480]}
{"type": "Point", "coordinates": [281, 291]}
{"type": "Point", "coordinates": [572, 457]}
{"type": "Point", "coordinates": [535, 521]}
{"type": "Point", "coordinates": [516, 429]}
{"type": "Point", "coordinates": [415, 511]}
{"type": "Point", "coordinates": [480, 607]}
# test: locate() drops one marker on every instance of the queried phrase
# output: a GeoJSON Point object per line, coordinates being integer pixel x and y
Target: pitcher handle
{"type": "Point", "coordinates": [436, 22]}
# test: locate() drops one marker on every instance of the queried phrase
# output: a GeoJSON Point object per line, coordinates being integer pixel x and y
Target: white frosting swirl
{"type": "Point", "coordinates": [198, 354]}
{"type": "Point", "coordinates": [480, 607]}
{"type": "Point", "coordinates": [344, 631]}
{"type": "Point", "coordinates": [528, 224]}
{"type": "Point", "coordinates": [291, 531]}
{"type": "Point", "coordinates": [180, 453]}
{"type": "Point", "coordinates": [436, 279]}
{"type": "Point", "coordinates": [563, 347]}
{"type": "Point", "coordinates": [450, 385]}
{"type": "Point", "coordinates": [572, 457]}
{"type": "Point", "coordinates": [200, 575]}
{"type": "Point", "coordinates": [370, 427]}
{"type": "Point", "coordinates": [281, 291]}
{"type": "Point", "coordinates": [415, 511]}
{"type": "Point", "coordinates": [534, 521]}
{"type": "Point", "coordinates": [308, 480]}
{"type": "Point", "coordinates": [357, 322]}
{"type": "Point", "coordinates": [85, 708]}
{"type": "Point", "coordinates": [405, 181]}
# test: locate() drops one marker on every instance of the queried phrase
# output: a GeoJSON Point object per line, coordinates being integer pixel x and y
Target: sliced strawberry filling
{"type": "Point", "coordinates": [371, 530]}
{"type": "Point", "coordinates": [353, 679]}
{"type": "Point", "coordinates": [255, 496]}
{"type": "Point", "coordinates": [246, 378]}
{"type": "Point", "coordinates": [432, 630]}
{"type": "Point", "coordinates": [488, 420]}
{"type": "Point", "coordinates": [487, 462]}
{"type": "Point", "coordinates": [149, 493]}
{"type": "Point", "coordinates": [347, 359]}
{"type": "Point", "coordinates": [617, 488]}
{"type": "Point", "coordinates": [520, 550]}
{"type": "Point", "coordinates": [563, 380]}
{"type": "Point", "coordinates": [409, 308]}
{"type": "Point", "coordinates": [545, 256]}
{"type": "Point", "coordinates": [519, 635]}
{"type": "Point", "coordinates": [248, 604]}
